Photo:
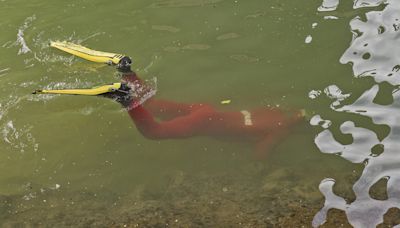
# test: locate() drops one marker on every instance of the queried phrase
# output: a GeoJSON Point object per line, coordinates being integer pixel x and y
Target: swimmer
{"type": "Point", "coordinates": [162, 119]}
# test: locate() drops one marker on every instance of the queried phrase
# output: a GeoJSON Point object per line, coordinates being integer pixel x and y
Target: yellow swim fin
{"type": "Point", "coordinates": [88, 92]}
{"type": "Point", "coordinates": [86, 53]}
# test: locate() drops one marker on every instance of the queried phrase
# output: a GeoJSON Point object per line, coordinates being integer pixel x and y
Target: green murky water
{"type": "Point", "coordinates": [80, 161]}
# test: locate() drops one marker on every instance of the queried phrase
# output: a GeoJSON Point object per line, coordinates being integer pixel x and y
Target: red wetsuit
{"type": "Point", "coordinates": [177, 120]}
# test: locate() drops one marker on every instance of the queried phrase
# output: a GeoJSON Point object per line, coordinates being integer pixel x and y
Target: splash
{"type": "Point", "coordinates": [44, 54]}
{"type": "Point", "coordinates": [20, 139]}
{"type": "Point", "coordinates": [15, 135]}
{"type": "Point", "coordinates": [20, 35]}
{"type": "Point", "coordinates": [313, 94]}
{"type": "Point", "coordinates": [373, 53]}
{"type": "Point", "coordinates": [4, 71]}
{"type": "Point", "coordinates": [308, 39]}
{"type": "Point", "coordinates": [142, 92]}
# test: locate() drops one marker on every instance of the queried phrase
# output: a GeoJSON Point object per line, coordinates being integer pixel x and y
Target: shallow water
{"type": "Point", "coordinates": [80, 161]}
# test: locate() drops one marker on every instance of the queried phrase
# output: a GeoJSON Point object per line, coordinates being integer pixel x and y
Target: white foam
{"type": "Point", "coordinates": [142, 92]}
{"type": "Point", "coordinates": [314, 25]}
{"type": "Point", "coordinates": [330, 18]}
{"type": "Point", "coordinates": [313, 94]}
{"type": "Point", "coordinates": [335, 93]}
{"type": "Point", "coordinates": [8, 130]}
{"type": "Point", "coordinates": [20, 35]}
{"type": "Point", "coordinates": [317, 120]}
{"type": "Point", "coordinates": [86, 111]}
{"type": "Point", "coordinates": [308, 39]}
{"type": "Point", "coordinates": [20, 139]}
{"type": "Point", "coordinates": [4, 71]}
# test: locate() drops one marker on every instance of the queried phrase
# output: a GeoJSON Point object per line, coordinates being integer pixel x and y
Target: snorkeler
{"type": "Point", "coordinates": [264, 126]}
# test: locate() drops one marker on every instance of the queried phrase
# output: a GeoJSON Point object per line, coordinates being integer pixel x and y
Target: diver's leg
{"type": "Point", "coordinates": [180, 127]}
{"type": "Point", "coordinates": [167, 110]}
{"type": "Point", "coordinates": [277, 134]}
{"type": "Point", "coordinates": [267, 144]}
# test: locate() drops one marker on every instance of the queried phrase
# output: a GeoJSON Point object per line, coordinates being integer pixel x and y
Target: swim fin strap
{"type": "Point", "coordinates": [88, 92]}
{"type": "Point", "coordinates": [86, 53]}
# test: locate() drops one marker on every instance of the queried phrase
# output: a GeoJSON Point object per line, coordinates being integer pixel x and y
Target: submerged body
{"type": "Point", "coordinates": [160, 119]}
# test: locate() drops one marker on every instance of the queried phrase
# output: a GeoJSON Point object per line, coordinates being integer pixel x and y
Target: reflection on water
{"type": "Point", "coordinates": [374, 52]}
